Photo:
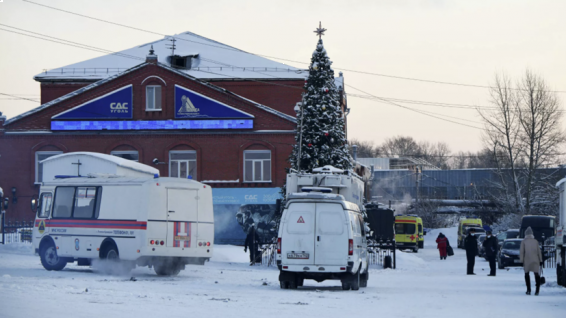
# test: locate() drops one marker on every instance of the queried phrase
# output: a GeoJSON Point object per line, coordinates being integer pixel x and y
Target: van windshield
{"type": "Point", "coordinates": [405, 228]}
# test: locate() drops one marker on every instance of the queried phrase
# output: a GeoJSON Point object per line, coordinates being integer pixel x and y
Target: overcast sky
{"type": "Point", "coordinates": [449, 41]}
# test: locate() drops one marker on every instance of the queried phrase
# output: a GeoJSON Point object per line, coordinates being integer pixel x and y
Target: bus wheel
{"type": "Point", "coordinates": [167, 268]}
{"type": "Point", "coordinates": [49, 258]}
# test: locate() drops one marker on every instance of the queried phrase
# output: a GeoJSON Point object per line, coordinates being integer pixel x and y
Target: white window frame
{"type": "Point", "coordinates": [125, 152]}
{"type": "Point", "coordinates": [183, 160]}
{"type": "Point", "coordinates": [54, 153]}
{"type": "Point", "coordinates": [253, 165]}
{"type": "Point", "coordinates": [147, 109]}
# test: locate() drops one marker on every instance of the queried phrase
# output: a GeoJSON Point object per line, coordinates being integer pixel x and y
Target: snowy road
{"type": "Point", "coordinates": [422, 286]}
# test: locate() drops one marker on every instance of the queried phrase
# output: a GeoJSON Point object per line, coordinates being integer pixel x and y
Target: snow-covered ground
{"type": "Point", "coordinates": [422, 286]}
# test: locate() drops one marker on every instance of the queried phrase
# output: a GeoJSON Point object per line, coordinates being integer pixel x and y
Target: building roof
{"type": "Point", "coordinates": [213, 60]}
{"type": "Point", "coordinates": [136, 67]}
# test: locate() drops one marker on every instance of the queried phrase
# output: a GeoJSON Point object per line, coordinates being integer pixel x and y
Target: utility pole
{"type": "Point", "coordinates": [417, 186]}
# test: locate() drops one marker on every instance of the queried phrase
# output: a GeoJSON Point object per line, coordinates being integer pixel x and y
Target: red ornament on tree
{"type": "Point", "coordinates": [326, 90]}
{"type": "Point", "coordinates": [310, 145]}
{"type": "Point", "coordinates": [326, 134]}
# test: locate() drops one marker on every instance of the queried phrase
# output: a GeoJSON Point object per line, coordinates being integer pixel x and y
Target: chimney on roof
{"type": "Point", "coordinates": [151, 57]}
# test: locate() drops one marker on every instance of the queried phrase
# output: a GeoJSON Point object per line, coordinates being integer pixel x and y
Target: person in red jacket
{"type": "Point", "coordinates": [442, 242]}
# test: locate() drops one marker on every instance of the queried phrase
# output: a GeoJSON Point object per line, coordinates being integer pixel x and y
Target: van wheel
{"type": "Point", "coordinates": [345, 284]}
{"type": "Point", "coordinates": [355, 281]}
{"type": "Point", "coordinates": [364, 279]}
{"type": "Point", "coordinates": [416, 249]}
{"type": "Point", "coordinates": [300, 282]}
{"type": "Point", "coordinates": [284, 284]}
{"type": "Point", "coordinates": [49, 258]}
{"type": "Point", "coordinates": [421, 244]}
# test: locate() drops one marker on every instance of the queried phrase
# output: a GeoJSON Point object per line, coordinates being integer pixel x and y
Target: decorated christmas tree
{"type": "Point", "coordinates": [321, 135]}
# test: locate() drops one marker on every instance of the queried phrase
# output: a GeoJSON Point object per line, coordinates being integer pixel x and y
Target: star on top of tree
{"type": "Point", "coordinates": [320, 30]}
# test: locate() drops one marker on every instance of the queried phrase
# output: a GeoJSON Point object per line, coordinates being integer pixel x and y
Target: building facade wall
{"type": "Point", "coordinates": [219, 158]}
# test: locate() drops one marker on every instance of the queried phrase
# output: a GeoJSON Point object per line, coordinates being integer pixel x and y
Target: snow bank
{"type": "Point", "coordinates": [230, 254]}
{"type": "Point", "coordinates": [17, 248]}
{"type": "Point", "coordinates": [410, 261]}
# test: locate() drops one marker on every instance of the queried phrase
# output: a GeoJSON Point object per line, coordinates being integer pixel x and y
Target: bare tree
{"type": "Point", "coordinates": [501, 135]}
{"type": "Point", "coordinates": [541, 136]}
{"type": "Point", "coordinates": [523, 134]}
{"type": "Point", "coordinates": [366, 149]}
{"type": "Point", "coordinates": [435, 153]}
{"type": "Point", "coordinates": [400, 146]}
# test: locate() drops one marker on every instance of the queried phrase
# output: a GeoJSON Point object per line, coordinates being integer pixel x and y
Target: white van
{"type": "Point", "coordinates": [145, 221]}
{"type": "Point", "coordinates": [322, 236]}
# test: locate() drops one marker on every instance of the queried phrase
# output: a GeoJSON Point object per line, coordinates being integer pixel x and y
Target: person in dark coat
{"type": "Point", "coordinates": [471, 245]}
{"type": "Point", "coordinates": [442, 243]}
{"type": "Point", "coordinates": [490, 245]}
{"type": "Point", "coordinates": [252, 242]}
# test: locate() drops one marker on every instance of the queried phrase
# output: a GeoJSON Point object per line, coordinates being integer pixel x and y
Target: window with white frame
{"type": "Point", "coordinates": [40, 156]}
{"type": "Point", "coordinates": [257, 166]}
{"type": "Point", "coordinates": [127, 154]}
{"type": "Point", "coordinates": [152, 97]}
{"type": "Point", "coordinates": [183, 164]}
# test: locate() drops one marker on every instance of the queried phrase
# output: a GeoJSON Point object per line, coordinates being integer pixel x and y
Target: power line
{"type": "Point", "coordinates": [273, 57]}
{"type": "Point", "coordinates": [71, 43]}
{"type": "Point", "coordinates": [22, 98]}
{"type": "Point", "coordinates": [412, 109]}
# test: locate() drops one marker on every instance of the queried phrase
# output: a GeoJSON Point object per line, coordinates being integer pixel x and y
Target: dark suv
{"type": "Point", "coordinates": [509, 234]}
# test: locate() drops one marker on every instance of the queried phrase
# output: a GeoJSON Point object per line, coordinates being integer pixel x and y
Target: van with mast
{"type": "Point", "coordinates": [322, 235]}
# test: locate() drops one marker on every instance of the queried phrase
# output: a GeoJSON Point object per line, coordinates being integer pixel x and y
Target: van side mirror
{"type": "Point", "coordinates": [424, 232]}
{"type": "Point", "coordinates": [34, 205]}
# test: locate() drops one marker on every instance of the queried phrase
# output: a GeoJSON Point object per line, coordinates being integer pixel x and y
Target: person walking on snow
{"type": "Point", "coordinates": [490, 245]}
{"type": "Point", "coordinates": [471, 245]}
{"type": "Point", "coordinates": [442, 242]}
{"type": "Point", "coordinates": [531, 257]}
{"type": "Point", "coordinates": [252, 241]}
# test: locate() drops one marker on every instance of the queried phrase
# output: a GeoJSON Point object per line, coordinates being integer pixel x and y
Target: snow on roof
{"type": "Point", "coordinates": [121, 162]}
{"type": "Point", "coordinates": [180, 72]}
{"type": "Point", "coordinates": [215, 61]}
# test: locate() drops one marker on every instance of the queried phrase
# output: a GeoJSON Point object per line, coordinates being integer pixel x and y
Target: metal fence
{"type": "Point", "coordinates": [17, 232]}
{"type": "Point", "coordinates": [382, 256]}
{"type": "Point", "coordinates": [549, 256]}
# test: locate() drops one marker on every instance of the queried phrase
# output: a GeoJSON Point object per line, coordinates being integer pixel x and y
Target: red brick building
{"type": "Point", "coordinates": [233, 131]}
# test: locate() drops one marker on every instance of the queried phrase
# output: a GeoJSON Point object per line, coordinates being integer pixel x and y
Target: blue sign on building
{"type": "Point", "coordinates": [189, 104]}
{"type": "Point", "coordinates": [116, 104]}
{"type": "Point", "coordinates": [151, 124]}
